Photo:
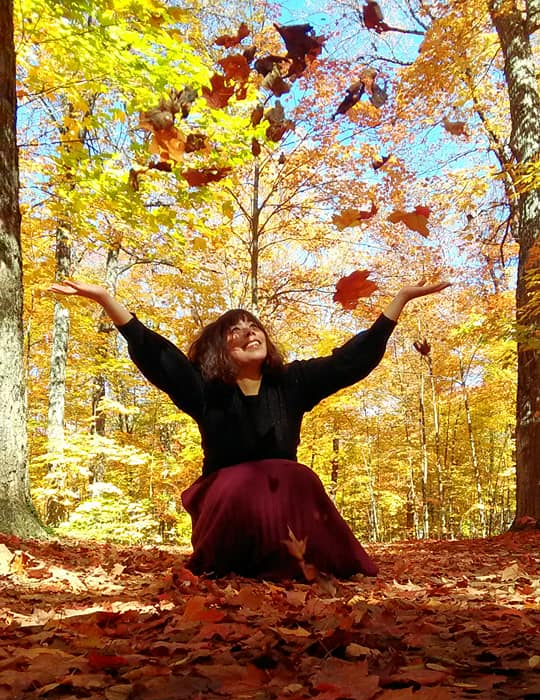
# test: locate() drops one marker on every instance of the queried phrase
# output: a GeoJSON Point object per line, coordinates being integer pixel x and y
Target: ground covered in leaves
{"type": "Point", "coordinates": [443, 620]}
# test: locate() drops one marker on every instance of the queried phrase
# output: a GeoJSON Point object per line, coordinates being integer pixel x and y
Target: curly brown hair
{"type": "Point", "coordinates": [209, 350]}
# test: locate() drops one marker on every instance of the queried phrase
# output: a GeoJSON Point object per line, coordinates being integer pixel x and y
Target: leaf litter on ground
{"type": "Point", "coordinates": [443, 620]}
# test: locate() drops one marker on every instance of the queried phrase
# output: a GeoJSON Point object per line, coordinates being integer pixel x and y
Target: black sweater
{"type": "Point", "coordinates": [236, 428]}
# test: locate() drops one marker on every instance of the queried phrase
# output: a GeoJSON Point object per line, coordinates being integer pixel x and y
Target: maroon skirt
{"type": "Point", "coordinates": [241, 517]}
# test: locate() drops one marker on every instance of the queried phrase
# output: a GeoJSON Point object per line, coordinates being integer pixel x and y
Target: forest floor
{"type": "Point", "coordinates": [443, 620]}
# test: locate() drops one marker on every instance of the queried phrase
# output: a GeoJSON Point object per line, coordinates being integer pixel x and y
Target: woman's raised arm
{"type": "Point", "coordinates": [116, 311]}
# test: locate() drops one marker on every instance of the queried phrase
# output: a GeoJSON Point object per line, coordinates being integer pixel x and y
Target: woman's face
{"type": "Point", "coordinates": [246, 344]}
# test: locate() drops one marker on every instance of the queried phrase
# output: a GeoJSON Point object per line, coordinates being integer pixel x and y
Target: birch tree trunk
{"type": "Point", "coordinates": [16, 513]}
{"type": "Point", "coordinates": [514, 28]}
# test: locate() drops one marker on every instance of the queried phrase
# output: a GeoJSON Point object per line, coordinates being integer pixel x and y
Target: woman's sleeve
{"type": "Point", "coordinates": [165, 366]}
{"type": "Point", "coordinates": [323, 376]}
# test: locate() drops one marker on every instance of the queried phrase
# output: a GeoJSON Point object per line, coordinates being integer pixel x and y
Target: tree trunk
{"type": "Point", "coordinates": [513, 29]}
{"type": "Point", "coordinates": [16, 513]}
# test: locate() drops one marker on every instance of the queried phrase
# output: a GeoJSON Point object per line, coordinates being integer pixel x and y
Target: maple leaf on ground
{"type": "Point", "coordinates": [203, 176]}
{"type": "Point", "coordinates": [351, 288]}
{"type": "Point", "coordinates": [230, 40]}
{"type": "Point", "coordinates": [219, 94]}
{"type": "Point", "coordinates": [353, 217]}
{"type": "Point", "coordinates": [415, 220]}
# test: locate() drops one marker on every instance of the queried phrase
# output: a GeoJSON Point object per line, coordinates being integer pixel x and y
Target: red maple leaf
{"type": "Point", "coordinates": [229, 40]}
{"type": "Point", "coordinates": [220, 93]}
{"type": "Point", "coordinates": [351, 288]}
{"type": "Point", "coordinates": [235, 67]}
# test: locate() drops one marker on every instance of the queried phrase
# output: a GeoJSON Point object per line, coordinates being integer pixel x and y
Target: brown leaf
{"type": "Point", "coordinates": [301, 41]}
{"type": "Point", "coordinates": [266, 64]}
{"type": "Point", "coordinates": [195, 142]}
{"type": "Point", "coordinates": [275, 83]}
{"type": "Point", "coordinates": [352, 287]}
{"type": "Point", "coordinates": [228, 41]}
{"type": "Point", "coordinates": [203, 176]}
{"type": "Point", "coordinates": [255, 147]}
{"type": "Point", "coordinates": [257, 115]}
{"type": "Point", "coordinates": [455, 128]}
{"type": "Point", "coordinates": [373, 17]}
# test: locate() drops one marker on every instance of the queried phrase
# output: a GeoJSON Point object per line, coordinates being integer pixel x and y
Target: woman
{"type": "Point", "coordinates": [249, 406]}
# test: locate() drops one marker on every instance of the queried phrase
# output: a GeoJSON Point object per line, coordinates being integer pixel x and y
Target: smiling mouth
{"type": "Point", "coordinates": [252, 344]}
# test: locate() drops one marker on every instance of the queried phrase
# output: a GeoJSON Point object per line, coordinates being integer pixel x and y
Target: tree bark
{"type": "Point", "coordinates": [17, 515]}
{"type": "Point", "coordinates": [513, 29]}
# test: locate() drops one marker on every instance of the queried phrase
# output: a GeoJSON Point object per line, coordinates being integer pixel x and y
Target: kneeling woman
{"type": "Point", "coordinates": [249, 406]}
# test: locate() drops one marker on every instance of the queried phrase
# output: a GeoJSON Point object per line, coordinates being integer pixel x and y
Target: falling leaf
{"type": "Point", "coordinates": [249, 53]}
{"type": "Point", "coordinates": [156, 119]}
{"type": "Point", "coordinates": [351, 288]}
{"type": "Point", "coordinates": [424, 348]}
{"type": "Point", "coordinates": [257, 115]}
{"type": "Point", "coordinates": [373, 17]}
{"type": "Point", "coordinates": [195, 142]}
{"type": "Point", "coordinates": [279, 125]}
{"type": "Point", "coordinates": [220, 93]}
{"type": "Point", "coordinates": [255, 147]}
{"type": "Point", "coordinates": [275, 83]}
{"type": "Point", "coordinates": [228, 41]}
{"type": "Point", "coordinates": [376, 164]}
{"type": "Point", "coordinates": [168, 144]}
{"type": "Point", "coordinates": [295, 546]}
{"type": "Point", "coordinates": [415, 220]}
{"type": "Point", "coordinates": [455, 128]}
{"type": "Point", "coordinates": [300, 40]}
{"type": "Point", "coordinates": [235, 67]}
{"type": "Point", "coordinates": [266, 64]}
{"type": "Point", "coordinates": [203, 176]}
{"type": "Point", "coordinates": [353, 217]}
{"type": "Point", "coordinates": [353, 94]}
{"type": "Point", "coordinates": [378, 95]}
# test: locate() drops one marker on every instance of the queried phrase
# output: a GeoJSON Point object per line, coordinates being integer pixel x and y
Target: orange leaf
{"type": "Point", "coordinates": [353, 217]}
{"type": "Point", "coordinates": [220, 93]}
{"type": "Point", "coordinates": [351, 288]}
{"type": "Point", "coordinates": [228, 40]}
{"type": "Point", "coordinates": [415, 220]}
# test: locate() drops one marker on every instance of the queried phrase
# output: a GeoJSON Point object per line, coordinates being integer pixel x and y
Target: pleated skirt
{"type": "Point", "coordinates": [242, 517]}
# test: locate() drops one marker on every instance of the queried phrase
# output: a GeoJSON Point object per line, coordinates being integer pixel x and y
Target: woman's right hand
{"type": "Point", "coordinates": [82, 289]}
